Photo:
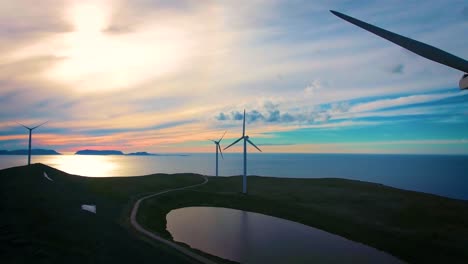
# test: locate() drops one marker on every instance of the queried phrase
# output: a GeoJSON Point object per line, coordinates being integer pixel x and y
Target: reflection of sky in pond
{"type": "Point", "coordinates": [255, 238]}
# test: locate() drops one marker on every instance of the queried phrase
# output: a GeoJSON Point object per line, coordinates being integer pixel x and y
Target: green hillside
{"type": "Point", "coordinates": [42, 221]}
{"type": "Point", "coordinates": [413, 226]}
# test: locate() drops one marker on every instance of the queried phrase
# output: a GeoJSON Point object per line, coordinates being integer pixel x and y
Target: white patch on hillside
{"type": "Point", "coordinates": [89, 207]}
{"type": "Point", "coordinates": [47, 177]}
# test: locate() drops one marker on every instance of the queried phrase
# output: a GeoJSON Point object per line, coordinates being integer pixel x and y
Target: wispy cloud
{"type": "Point", "coordinates": [464, 12]}
{"type": "Point", "coordinates": [398, 69]}
{"type": "Point", "coordinates": [399, 101]}
{"type": "Point", "coordinates": [156, 74]}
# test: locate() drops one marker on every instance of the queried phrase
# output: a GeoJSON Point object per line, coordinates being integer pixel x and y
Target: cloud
{"type": "Point", "coordinates": [21, 21]}
{"type": "Point", "coordinates": [342, 124]}
{"type": "Point", "coordinates": [129, 16]}
{"type": "Point", "coordinates": [270, 105]}
{"type": "Point", "coordinates": [185, 68]}
{"type": "Point", "coordinates": [464, 13]}
{"type": "Point", "coordinates": [278, 144]}
{"type": "Point", "coordinates": [358, 112]}
{"type": "Point", "coordinates": [312, 88]}
{"type": "Point", "coordinates": [288, 118]}
{"type": "Point", "coordinates": [398, 69]}
{"type": "Point", "coordinates": [399, 101]}
{"type": "Point", "coordinates": [253, 116]}
{"type": "Point", "coordinates": [237, 116]}
{"type": "Point", "coordinates": [27, 69]}
{"type": "Point", "coordinates": [274, 116]}
{"type": "Point", "coordinates": [222, 117]}
{"type": "Point", "coordinates": [269, 113]}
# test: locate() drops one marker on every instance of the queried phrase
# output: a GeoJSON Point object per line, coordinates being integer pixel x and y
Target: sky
{"type": "Point", "coordinates": [166, 76]}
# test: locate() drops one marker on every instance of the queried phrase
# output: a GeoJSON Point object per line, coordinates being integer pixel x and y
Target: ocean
{"type": "Point", "coordinates": [436, 174]}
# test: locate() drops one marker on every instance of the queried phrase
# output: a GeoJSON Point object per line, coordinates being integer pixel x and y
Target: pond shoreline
{"type": "Point", "coordinates": [248, 237]}
{"type": "Point", "coordinates": [402, 223]}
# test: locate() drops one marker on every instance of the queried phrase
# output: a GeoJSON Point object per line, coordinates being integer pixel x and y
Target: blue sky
{"type": "Point", "coordinates": [165, 76]}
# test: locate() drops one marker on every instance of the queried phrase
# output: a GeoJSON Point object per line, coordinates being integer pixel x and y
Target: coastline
{"type": "Point", "coordinates": [440, 175]}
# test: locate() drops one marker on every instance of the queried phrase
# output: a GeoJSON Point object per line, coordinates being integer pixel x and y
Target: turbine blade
{"type": "Point", "coordinates": [243, 127]}
{"type": "Point", "coordinates": [251, 143]}
{"type": "Point", "coordinates": [23, 125]}
{"type": "Point", "coordinates": [422, 49]}
{"type": "Point", "coordinates": [219, 147]}
{"type": "Point", "coordinates": [233, 143]}
{"type": "Point", "coordinates": [222, 136]}
{"type": "Point", "coordinates": [39, 125]}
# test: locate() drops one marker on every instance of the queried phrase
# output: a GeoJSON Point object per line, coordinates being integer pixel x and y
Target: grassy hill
{"type": "Point", "coordinates": [42, 221]}
{"type": "Point", "coordinates": [415, 227]}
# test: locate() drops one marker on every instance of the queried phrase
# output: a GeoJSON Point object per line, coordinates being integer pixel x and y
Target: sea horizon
{"type": "Point", "coordinates": [431, 173]}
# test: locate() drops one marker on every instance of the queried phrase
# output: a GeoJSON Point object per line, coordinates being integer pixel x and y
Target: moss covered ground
{"type": "Point", "coordinates": [41, 221]}
{"type": "Point", "coordinates": [415, 227]}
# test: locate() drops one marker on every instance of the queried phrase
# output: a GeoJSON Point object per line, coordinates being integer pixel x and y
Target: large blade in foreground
{"type": "Point", "coordinates": [251, 143]}
{"type": "Point", "coordinates": [422, 49]}
{"type": "Point", "coordinates": [233, 143]}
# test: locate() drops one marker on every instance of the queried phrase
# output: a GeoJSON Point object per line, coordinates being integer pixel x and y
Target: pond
{"type": "Point", "coordinates": [248, 237]}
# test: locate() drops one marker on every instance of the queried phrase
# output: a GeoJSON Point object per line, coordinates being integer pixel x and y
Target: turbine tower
{"type": "Point", "coordinates": [218, 148]}
{"type": "Point", "coordinates": [246, 139]}
{"type": "Point", "coordinates": [30, 135]}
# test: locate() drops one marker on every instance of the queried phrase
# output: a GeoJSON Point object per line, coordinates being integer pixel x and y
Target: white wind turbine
{"type": "Point", "coordinates": [30, 135]}
{"type": "Point", "coordinates": [246, 139]}
{"type": "Point", "coordinates": [218, 148]}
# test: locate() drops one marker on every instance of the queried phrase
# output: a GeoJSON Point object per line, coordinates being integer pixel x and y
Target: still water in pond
{"type": "Point", "coordinates": [248, 237]}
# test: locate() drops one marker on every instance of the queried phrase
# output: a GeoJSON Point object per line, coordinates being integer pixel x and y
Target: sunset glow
{"type": "Point", "coordinates": [165, 76]}
{"type": "Point", "coordinates": [94, 59]}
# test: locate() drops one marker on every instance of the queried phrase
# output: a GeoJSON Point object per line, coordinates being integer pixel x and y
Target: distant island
{"type": "Point", "coordinates": [33, 152]}
{"type": "Point", "coordinates": [98, 152]}
{"type": "Point", "coordinates": [118, 152]}
{"type": "Point", "coordinates": [143, 153]}
{"type": "Point", "coordinates": [153, 154]}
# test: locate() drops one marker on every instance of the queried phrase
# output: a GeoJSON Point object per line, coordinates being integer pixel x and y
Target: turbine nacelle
{"type": "Point", "coordinates": [218, 148]}
{"type": "Point", "coordinates": [30, 135]}
{"type": "Point", "coordinates": [463, 84]}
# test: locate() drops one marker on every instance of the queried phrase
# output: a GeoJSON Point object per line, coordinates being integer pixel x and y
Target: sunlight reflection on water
{"type": "Point", "coordinates": [441, 175]}
{"type": "Point", "coordinates": [96, 166]}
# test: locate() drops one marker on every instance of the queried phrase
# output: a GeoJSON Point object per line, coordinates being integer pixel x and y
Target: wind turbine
{"type": "Point", "coordinates": [30, 134]}
{"type": "Point", "coordinates": [218, 148]}
{"type": "Point", "coordinates": [246, 139]}
{"type": "Point", "coordinates": [422, 49]}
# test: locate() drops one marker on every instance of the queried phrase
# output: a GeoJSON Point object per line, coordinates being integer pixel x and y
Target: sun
{"type": "Point", "coordinates": [89, 17]}
{"type": "Point", "coordinates": [93, 59]}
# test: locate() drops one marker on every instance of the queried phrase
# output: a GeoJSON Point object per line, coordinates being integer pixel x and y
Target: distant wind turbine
{"type": "Point", "coordinates": [246, 139]}
{"type": "Point", "coordinates": [218, 148]}
{"type": "Point", "coordinates": [30, 135]}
